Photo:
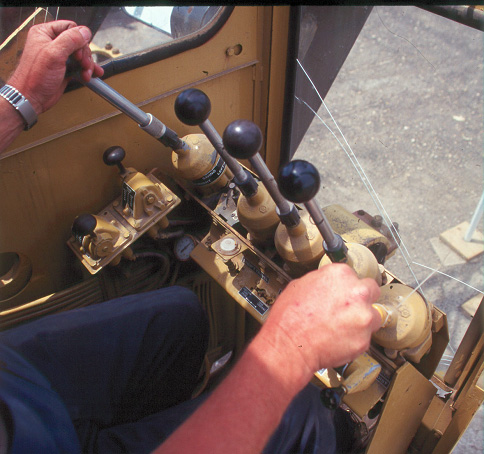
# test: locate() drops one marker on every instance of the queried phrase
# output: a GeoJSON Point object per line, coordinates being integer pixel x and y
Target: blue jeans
{"type": "Point", "coordinates": [124, 370]}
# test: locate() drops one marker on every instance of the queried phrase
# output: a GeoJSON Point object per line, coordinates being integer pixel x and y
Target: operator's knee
{"type": "Point", "coordinates": [186, 308]}
{"type": "Point", "coordinates": [178, 313]}
{"type": "Point", "coordinates": [306, 427]}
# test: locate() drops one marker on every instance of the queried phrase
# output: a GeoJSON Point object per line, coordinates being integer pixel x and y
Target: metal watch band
{"type": "Point", "coordinates": [21, 103]}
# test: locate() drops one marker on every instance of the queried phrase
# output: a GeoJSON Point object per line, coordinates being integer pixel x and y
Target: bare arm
{"type": "Point", "coordinates": [324, 319]}
{"type": "Point", "coordinates": [40, 75]}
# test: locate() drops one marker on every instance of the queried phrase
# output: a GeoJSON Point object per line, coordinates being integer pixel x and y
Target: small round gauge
{"type": "Point", "coordinates": [184, 246]}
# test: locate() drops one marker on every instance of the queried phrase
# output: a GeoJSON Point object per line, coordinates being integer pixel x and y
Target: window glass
{"type": "Point", "coordinates": [131, 29]}
{"type": "Point", "coordinates": [117, 31]}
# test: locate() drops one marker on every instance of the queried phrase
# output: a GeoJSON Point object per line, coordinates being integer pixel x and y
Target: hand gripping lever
{"type": "Point", "coordinates": [299, 181]}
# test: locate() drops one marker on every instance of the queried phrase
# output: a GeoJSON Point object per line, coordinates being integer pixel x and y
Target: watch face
{"type": "Point", "coordinates": [183, 247]}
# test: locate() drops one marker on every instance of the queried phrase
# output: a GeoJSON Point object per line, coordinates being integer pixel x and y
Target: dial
{"type": "Point", "coordinates": [184, 246]}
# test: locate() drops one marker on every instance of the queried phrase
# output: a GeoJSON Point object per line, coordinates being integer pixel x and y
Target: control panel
{"type": "Point", "coordinates": [262, 233]}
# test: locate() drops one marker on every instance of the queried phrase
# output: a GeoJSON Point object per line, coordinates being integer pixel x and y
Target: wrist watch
{"type": "Point", "coordinates": [21, 103]}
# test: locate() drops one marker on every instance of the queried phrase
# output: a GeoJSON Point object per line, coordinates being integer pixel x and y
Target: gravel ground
{"type": "Point", "coordinates": [409, 102]}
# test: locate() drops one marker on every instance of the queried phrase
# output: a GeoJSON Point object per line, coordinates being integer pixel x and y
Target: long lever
{"type": "Point", "coordinates": [243, 140]}
{"type": "Point", "coordinates": [193, 108]}
{"type": "Point", "coordinates": [299, 182]}
{"type": "Point", "coordinates": [146, 121]}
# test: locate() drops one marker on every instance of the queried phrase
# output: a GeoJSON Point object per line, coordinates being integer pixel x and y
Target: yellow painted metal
{"type": "Point", "coordinates": [148, 196]}
{"type": "Point", "coordinates": [258, 215]}
{"type": "Point", "coordinates": [358, 376]}
{"type": "Point", "coordinates": [141, 208]}
{"type": "Point", "coordinates": [465, 375]}
{"type": "Point", "coordinates": [277, 80]}
{"type": "Point", "coordinates": [470, 402]}
{"type": "Point", "coordinates": [55, 171]}
{"type": "Point", "coordinates": [247, 275]}
{"type": "Point", "coordinates": [361, 260]}
{"type": "Point", "coordinates": [407, 399]}
{"type": "Point", "coordinates": [103, 241]}
{"type": "Point", "coordinates": [434, 423]}
{"type": "Point", "coordinates": [301, 247]}
{"type": "Point", "coordinates": [361, 403]}
{"type": "Point", "coordinates": [103, 53]}
{"type": "Point", "coordinates": [198, 163]}
{"type": "Point", "coordinates": [16, 274]}
{"type": "Point", "coordinates": [351, 228]}
{"type": "Point", "coordinates": [409, 328]}
{"type": "Point", "coordinates": [360, 373]}
{"type": "Point", "coordinates": [465, 356]}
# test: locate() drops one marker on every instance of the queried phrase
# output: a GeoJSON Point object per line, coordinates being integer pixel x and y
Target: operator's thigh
{"type": "Point", "coordinates": [98, 356]}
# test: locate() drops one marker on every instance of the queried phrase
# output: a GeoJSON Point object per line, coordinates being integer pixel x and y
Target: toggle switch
{"type": "Point", "coordinates": [142, 196]}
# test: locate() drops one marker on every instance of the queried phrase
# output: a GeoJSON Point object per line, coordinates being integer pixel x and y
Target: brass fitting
{"type": "Point", "coordinates": [140, 195]}
{"type": "Point", "coordinates": [102, 241]}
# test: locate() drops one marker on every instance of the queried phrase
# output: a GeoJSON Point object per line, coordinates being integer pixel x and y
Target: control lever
{"type": "Point", "coordinates": [300, 181]}
{"type": "Point", "coordinates": [98, 237]}
{"type": "Point", "coordinates": [83, 225]}
{"type": "Point", "coordinates": [256, 210]}
{"type": "Point", "coordinates": [146, 121]}
{"type": "Point", "coordinates": [193, 108]}
{"type": "Point", "coordinates": [113, 156]}
{"type": "Point", "coordinates": [192, 155]}
{"type": "Point", "coordinates": [243, 140]}
{"type": "Point", "coordinates": [102, 239]}
{"type": "Point", "coordinates": [297, 241]}
{"type": "Point", "coordinates": [406, 317]}
{"type": "Point", "coordinates": [141, 196]}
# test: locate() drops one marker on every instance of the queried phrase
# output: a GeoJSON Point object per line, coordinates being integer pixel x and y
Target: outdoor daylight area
{"type": "Point", "coordinates": [409, 102]}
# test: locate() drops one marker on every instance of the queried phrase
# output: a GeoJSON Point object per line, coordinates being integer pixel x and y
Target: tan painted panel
{"type": "Point", "coordinates": [55, 171]}
{"type": "Point", "coordinates": [193, 66]}
{"type": "Point", "coordinates": [408, 398]}
{"type": "Point", "coordinates": [45, 187]}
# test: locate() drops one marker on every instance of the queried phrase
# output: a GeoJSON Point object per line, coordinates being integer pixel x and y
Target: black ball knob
{"type": "Point", "coordinates": [192, 107]}
{"type": "Point", "coordinates": [113, 156]}
{"type": "Point", "coordinates": [84, 225]}
{"type": "Point", "coordinates": [242, 139]}
{"type": "Point", "coordinates": [299, 181]}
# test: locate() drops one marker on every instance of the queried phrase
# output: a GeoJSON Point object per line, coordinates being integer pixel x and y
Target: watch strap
{"type": "Point", "coordinates": [21, 103]}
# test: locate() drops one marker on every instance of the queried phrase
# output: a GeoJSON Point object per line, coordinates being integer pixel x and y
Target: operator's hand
{"type": "Point", "coordinates": [40, 75]}
{"type": "Point", "coordinates": [326, 317]}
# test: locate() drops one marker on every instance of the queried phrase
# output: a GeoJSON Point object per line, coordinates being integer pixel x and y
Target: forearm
{"type": "Point", "coordinates": [243, 412]}
{"type": "Point", "coordinates": [40, 74]}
